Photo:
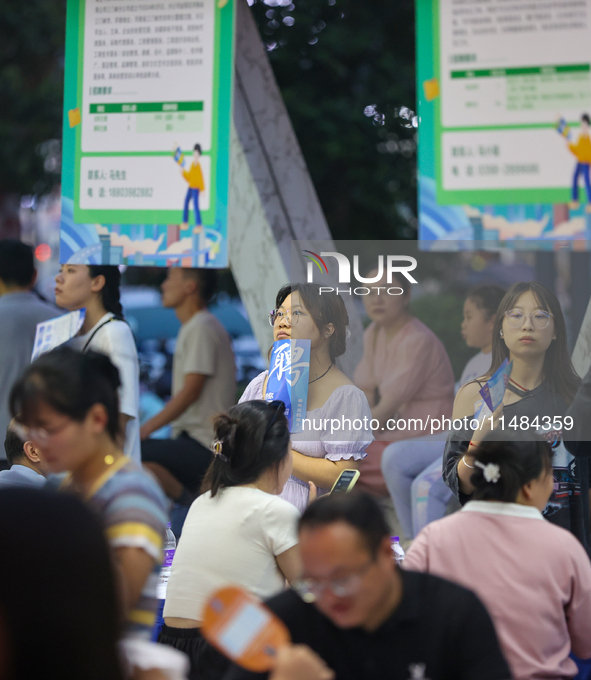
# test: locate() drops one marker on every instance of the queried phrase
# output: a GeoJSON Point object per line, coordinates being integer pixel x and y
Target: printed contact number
{"type": "Point", "coordinates": [526, 423]}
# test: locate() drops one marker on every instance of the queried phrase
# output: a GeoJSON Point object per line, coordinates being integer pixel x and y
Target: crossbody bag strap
{"type": "Point", "coordinates": [96, 330]}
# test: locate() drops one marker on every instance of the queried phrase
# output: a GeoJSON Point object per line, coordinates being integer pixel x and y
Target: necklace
{"type": "Point", "coordinates": [518, 385]}
{"type": "Point", "coordinates": [321, 376]}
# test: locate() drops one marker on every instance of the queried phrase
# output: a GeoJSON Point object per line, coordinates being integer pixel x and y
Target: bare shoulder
{"type": "Point", "coordinates": [465, 399]}
{"type": "Point", "coordinates": [337, 378]}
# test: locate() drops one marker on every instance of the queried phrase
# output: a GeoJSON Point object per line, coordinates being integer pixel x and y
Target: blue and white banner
{"type": "Point", "coordinates": [288, 379]}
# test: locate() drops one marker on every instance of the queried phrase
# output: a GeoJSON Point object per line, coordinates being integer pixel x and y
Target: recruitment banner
{"type": "Point", "coordinates": [147, 113]}
{"type": "Point", "coordinates": [504, 101]}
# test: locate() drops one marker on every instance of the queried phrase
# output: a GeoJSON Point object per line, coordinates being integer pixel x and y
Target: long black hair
{"type": "Point", "coordinates": [71, 383]}
{"type": "Point", "coordinates": [558, 370]}
{"type": "Point", "coordinates": [110, 293]}
{"type": "Point", "coordinates": [58, 592]}
{"type": "Point", "coordinates": [253, 437]}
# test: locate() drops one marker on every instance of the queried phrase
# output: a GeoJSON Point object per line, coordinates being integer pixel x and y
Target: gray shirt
{"type": "Point", "coordinates": [19, 315]}
{"type": "Point", "coordinates": [204, 347]}
{"type": "Point", "coordinates": [20, 475]}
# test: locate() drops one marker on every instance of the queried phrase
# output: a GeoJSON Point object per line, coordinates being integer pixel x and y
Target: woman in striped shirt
{"type": "Point", "coordinates": [67, 405]}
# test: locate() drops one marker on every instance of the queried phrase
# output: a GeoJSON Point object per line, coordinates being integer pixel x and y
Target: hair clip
{"type": "Point", "coordinates": [491, 471]}
{"type": "Point", "coordinates": [216, 447]}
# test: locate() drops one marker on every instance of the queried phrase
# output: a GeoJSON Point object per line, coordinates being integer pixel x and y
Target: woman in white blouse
{"type": "Point", "coordinates": [238, 532]}
{"type": "Point", "coordinates": [319, 454]}
{"type": "Point", "coordinates": [96, 288]}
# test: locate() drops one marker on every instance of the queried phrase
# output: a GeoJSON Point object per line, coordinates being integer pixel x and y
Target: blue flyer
{"type": "Point", "coordinates": [288, 379]}
{"type": "Point", "coordinates": [494, 390]}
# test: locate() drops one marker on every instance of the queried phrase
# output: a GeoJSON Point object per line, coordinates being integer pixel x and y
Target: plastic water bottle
{"type": "Point", "coordinates": [169, 548]}
{"type": "Point", "coordinates": [397, 549]}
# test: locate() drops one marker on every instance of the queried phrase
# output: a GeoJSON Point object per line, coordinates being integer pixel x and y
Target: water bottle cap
{"type": "Point", "coordinates": [168, 525]}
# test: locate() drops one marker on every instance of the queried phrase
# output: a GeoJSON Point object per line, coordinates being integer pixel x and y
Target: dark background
{"type": "Point", "coordinates": [331, 58]}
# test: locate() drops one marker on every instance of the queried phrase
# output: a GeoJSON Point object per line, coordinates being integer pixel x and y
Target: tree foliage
{"type": "Point", "coordinates": [332, 59]}
{"type": "Point", "coordinates": [32, 36]}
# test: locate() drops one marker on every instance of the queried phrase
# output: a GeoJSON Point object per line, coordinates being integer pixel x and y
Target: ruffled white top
{"type": "Point", "coordinates": [347, 441]}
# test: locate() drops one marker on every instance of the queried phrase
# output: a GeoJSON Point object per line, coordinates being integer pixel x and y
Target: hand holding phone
{"type": "Point", "coordinates": [346, 481]}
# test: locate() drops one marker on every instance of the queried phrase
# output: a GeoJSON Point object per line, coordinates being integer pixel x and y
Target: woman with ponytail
{"type": "Point", "coordinates": [238, 531]}
{"type": "Point", "coordinates": [96, 288]}
{"type": "Point", "coordinates": [533, 576]}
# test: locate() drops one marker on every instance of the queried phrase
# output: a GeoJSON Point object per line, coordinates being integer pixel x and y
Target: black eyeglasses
{"type": "Point", "coordinates": [279, 407]}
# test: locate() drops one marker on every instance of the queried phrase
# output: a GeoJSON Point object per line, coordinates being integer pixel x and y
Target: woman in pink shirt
{"type": "Point", "coordinates": [534, 577]}
{"type": "Point", "coordinates": [405, 373]}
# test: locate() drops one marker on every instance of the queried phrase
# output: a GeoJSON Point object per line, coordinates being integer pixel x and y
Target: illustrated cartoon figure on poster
{"type": "Point", "coordinates": [194, 178]}
{"type": "Point", "coordinates": [582, 151]}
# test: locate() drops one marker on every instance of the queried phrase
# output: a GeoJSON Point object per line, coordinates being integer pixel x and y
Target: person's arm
{"type": "Point", "coordinates": [322, 471]}
{"type": "Point", "coordinates": [578, 610]}
{"type": "Point", "coordinates": [417, 556]}
{"type": "Point", "coordinates": [135, 566]}
{"type": "Point", "coordinates": [577, 438]}
{"type": "Point", "coordinates": [290, 563]}
{"type": "Point", "coordinates": [177, 405]}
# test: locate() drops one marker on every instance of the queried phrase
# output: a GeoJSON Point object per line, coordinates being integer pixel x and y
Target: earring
{"type": "Point", "coordinates": [501, 333]}
{"type": "Point", "coordinates": [109, 460]}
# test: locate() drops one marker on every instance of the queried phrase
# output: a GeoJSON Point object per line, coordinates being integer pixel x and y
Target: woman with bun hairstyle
{"type": "Point", "coordinates": [533, 577]}
{"type": "Point", "coordinates": [66, 404]}
{"type": "Point", "coordinates": [319, 456]}
{"type": "Point", "coordinates": [238, 531]}
{"type": "Point", "coordinates": [96, 288]}
{"type": "Point", "coordinates": [529, 330]}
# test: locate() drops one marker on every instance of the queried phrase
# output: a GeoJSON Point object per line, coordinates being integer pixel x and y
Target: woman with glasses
{"type": "Point", "coordinates": [68, 408]}
{"type": "Point", "coordinates": [238, 531]}
{"type": "Point", "coordinates": [529, 330]}
{"type": "Point", "coordinates": [319, 455]}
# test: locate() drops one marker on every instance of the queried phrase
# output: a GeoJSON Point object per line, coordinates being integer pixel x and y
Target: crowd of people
{"type": "Point", "coordinates": [498, 589]}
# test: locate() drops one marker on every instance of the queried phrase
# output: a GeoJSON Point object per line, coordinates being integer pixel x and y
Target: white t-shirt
{"type": "Point", "coordinates": [203, 346]}
{"type": "Point", "coordinates": [116, 340]}
{"type": "Point", "coordinates": [232, 538]}
{"type": "Point", "coordinates": [477, 366]}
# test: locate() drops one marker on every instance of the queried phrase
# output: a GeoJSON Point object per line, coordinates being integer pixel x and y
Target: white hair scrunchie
{"type": "Point", "coordinates": [491, 471]}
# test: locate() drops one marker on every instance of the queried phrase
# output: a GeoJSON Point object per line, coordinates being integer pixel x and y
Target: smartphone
{"type": "Point", "coordinates": [346, 481]}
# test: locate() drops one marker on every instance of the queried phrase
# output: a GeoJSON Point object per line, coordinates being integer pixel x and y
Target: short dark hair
{"type": "Point", "coordinates": [17, 266]}
{"type": "Point", "coordinates": [324, 309]}
{"type": "Point", "coordinates": [487, 298]}
{"type": "Point", "coordinates": [522, 456]}
{"type": "Point", "coordinates": [206, 279]}
{"type": "Point", "coordinates": [254, 437]}
{"type": "Point", "coordinates": [586, 118]}
{"type": "Point", "coordinates": [357, 509]}
{"type": "Point", "coordinates": [197, 147]}
{"type": "Point", "coordinates": [71, 383]}
{"type": "Point", "coordinates": [14, 447]}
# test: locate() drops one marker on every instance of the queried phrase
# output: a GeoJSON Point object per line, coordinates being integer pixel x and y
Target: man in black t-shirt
{"type": "Point", "coordinates": [367, 619]}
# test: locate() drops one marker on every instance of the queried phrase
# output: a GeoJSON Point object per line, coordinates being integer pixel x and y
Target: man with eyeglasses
{"type": "Point", "coordinates": [368, 619]}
